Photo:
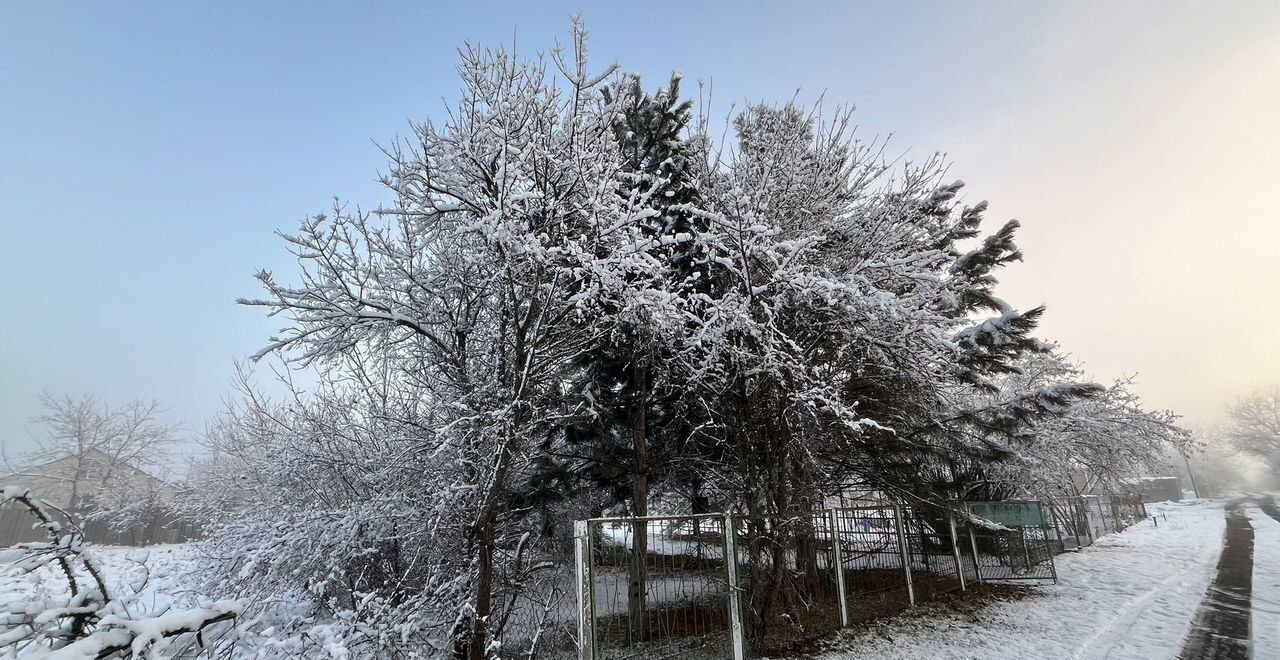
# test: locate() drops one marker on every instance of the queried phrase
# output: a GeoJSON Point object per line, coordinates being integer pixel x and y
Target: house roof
{"type": "Point", "coordinates": [85, 474]}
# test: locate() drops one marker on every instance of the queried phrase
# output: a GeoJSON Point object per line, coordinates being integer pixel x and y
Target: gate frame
{"type": "Point", "coordinates": [837, 557]}
{"type": "Point", "coordinates": [586, 588]}
{"type": "Point", "coordinates": [1044, 536]}
{"type": "Point", "coordinates": [737, 631]}
{"type": "Point", "coordinates": [588, 640]}
{"type": "Point", "coordinates": [905, 552]}
{"type": "Point", "coordinates": [955, 549]}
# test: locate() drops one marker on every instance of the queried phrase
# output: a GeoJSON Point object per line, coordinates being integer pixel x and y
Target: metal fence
{"type": "Point", "coordinates": [1077, 522]}
{"type": "Point", "coordinates": [699, 587]}
{"type": "Point", "coordinates": [875, 559]}
{"type": "Point", "coordinates": [702, 587]}
{"type": "Point", "coordinates": [1011, 540]}
{"type": "Point", "coordinates": [666, 596]}
{"type": "Point", "coordinates": [1129, 509]}
{"type": "Point", "coordinates": [534, 607]}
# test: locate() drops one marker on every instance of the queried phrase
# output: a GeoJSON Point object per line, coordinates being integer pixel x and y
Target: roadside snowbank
{"type": "Point", "coordinates": [1265, 625]}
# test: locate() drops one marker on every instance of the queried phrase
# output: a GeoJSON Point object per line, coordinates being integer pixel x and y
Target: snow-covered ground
{"type": "Point", "coordinates": [159, 575]}
{"type": "Point", "coordinates": [1265, 625]}
{"type": "Point", "coordinates": [1129, 596]}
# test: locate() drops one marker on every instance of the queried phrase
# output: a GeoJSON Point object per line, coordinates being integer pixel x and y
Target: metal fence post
{"type": "Point", "coordinates": [906, 554]}
{"type": "Point", "coordinates": [973, 545]}
{"type": "Point", "coordinates": [955, 549]}
{"type": "Point", "coordinates": [1078, 521]}
{"type": "Point", "coordinates": [1053, 568]}
{"type": "Point", "coordinates": [837, 556]}
{"type": "Point", "coordinates": [585, 585]}
{"type": "Point", "coordinates": [737, 631]}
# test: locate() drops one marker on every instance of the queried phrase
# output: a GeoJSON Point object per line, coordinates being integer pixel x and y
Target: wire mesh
{"type": "Point", "coordinates": [1102, 517]}
{"type": "Point", "coordinates": [1069, 524]}
{"type": "Point", "coordinates": [665, 596]}
{"type": "Point", "coordinates": [934, 567]}
{"type": "Point", "coordinates": [1014, 549]}
{"type": "Point", "coordinates": [814, 607]}
{"type": "Point", "coordinates": [789, 581]}
{"type": "Point", "coordinates": [535, 609]}
{"type": "Point", "coordinates": [875, 583]}
{"type": "Point", "coordinates": [1129, 510]}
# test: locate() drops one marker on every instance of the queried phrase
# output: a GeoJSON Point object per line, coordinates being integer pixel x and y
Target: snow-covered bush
{"type": "Point", "coordinates": [85, 618]}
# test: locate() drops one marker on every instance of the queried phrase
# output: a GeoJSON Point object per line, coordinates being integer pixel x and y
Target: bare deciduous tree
{"type": "Point", "coordinates": [1254, 425]}
{"type": "Point", "coordinates": [90, 447]}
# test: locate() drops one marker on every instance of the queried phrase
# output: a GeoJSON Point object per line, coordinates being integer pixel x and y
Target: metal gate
{"type": "Point", "coordinates": [1011, 540]}
{"type": "Point", "coordinates": [673, 594]}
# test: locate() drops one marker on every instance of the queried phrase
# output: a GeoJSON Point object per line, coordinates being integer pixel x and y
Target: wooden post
{"type": "Point", "coordinates": [906, 554]}
{"type": "Point", "coordinates": [737, 631]}
{"type": "Point", "coordinates": [837, 556]}
{"type": "Point", "coordinates": [585, 584]}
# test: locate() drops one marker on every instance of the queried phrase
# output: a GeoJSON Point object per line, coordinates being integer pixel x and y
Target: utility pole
{"type": "Point", "coordinates": [1194, 487]}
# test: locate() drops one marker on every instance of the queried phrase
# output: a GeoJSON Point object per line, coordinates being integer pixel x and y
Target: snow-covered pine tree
{"type": "Point", "coordinates": [627, 376]}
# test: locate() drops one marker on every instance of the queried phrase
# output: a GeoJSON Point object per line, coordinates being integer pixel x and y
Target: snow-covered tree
{"type": "Point", "coordinates": [1069, 436]}
{"type": "Point", "coordinates": [1253, 425]}
{"type": "Point", "coordinates": [576, 298]}
{"type": "Point", "coordinates": [462, 304]}
{"type": "Point", "coordinates": [91, 451]}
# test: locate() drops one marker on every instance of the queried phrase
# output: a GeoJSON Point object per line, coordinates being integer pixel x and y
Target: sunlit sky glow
{"type": "Point", "coordinates": [149, 150]}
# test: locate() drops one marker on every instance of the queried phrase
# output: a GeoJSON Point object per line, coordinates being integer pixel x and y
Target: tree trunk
{"type": "Point", "coordinates": [640, 505]}
{"type": "Point", "coordinates": [806, 542]}
{"type": "Point", "coordinates": [484, 591]}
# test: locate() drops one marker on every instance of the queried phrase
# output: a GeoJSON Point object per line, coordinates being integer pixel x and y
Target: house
{"type": "Point", "coordinates": [93, 482]}
{"type": "Point", "coordinates": [1157, 489]}
{"type": "Point", "coordinates": [63, 481]}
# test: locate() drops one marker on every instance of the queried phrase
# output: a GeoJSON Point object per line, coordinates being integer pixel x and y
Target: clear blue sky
{"type": "Point", "coordinates": [148, 151]}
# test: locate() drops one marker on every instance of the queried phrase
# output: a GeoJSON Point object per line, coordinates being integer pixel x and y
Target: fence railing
{"type": "Point", "coordinates": [704, 586]}
{"type": "Point", "coordinates": [1079, 521]}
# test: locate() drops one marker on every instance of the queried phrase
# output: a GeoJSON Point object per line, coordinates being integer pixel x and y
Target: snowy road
{"type": "Point", "coordinates": [1130, 596]}
{"type": "Point", "coordinates": [1220, 630]}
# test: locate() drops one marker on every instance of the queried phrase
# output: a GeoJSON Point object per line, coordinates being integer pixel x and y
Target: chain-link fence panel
{"type": "Point", "coordinates": [658, 587]}
{"type": "Point", "coordinates": [1012, 540]}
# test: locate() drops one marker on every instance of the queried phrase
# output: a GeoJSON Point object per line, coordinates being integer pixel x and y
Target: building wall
{"type": "Point", "coordinates": [1161, 489]}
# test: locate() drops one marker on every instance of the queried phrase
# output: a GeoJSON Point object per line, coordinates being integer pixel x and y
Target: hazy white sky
{"type": "Point", "coordinates": [148, 151]}
{"type": "Point", "coordinates": [1146, 174]}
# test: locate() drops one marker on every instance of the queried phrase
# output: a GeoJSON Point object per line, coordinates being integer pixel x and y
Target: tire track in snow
{"type": "Point", "coordinates": [1220, 630]}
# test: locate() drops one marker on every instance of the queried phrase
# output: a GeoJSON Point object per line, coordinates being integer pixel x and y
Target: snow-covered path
{"type": "Point", "coordinates": [1129, 596]}
{"type": "Point", "coordinates": [1220, 630]}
